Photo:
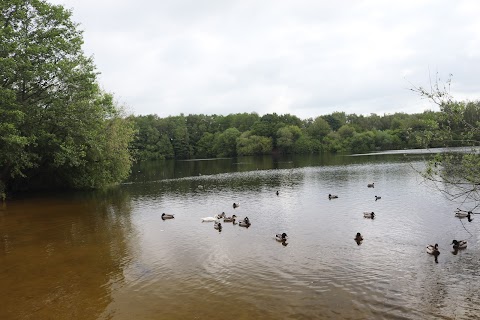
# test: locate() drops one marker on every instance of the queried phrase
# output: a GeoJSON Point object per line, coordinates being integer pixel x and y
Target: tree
{"type": "Point", "coordinates": [57, 127]}
{"type": "Point", "coordinates": [226, 144]}
{"type": "Point", "coordinates": [286, 138]}
{"type": "Point", "coordinates": [248, 144]}
{"type": "Point", "coordinates": [205, 146]}
{"type": "Point", "coordinates": [346, 131]}
{"type": "Point", "coordinates": [455, 174]}
{"type": "Point", "coordinates": [319, 128]}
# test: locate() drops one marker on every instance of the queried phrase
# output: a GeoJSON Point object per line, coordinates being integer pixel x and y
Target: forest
{"type": "Point", "coordinates": [209, 136]}
{"type": "Point", "coordinates": [59, 129]}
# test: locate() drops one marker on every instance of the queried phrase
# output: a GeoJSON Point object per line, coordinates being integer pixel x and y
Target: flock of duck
{"type": "Point", "coordinates": [431, 249]}
{"type": "Point", "coordinates": [457, 244]}
{"type": "Point", "coordinates": [245, 222]}
{"type": "Point", "coordinates": [282, 237]}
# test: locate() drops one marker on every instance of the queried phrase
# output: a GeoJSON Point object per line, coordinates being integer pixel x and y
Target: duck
{"type": "Point", "coordinates": [358, 237]}
{"type": "Point", "coordinates": [245, 223]}
{"type": "Point", "coordinates": [214, 218]}
{"type": "Point", "coordinates": [217, 225]}
{"type": "Point", "coordinates": [281, 237]}
{"type": "Point", "coordinates": [463, 214]}
{"type": "Point", "coordinates": [167, 216]}
{"type": "Point", "coordinates": [377, 198]}
{"type": "Point", "coordinates": [277, 193]}
{"type": "Point", "coordinates": [331, 196]}
{"type": "Point", "coordinates": [370, 215]}
{"type": "Point", "coordinates": [209, 219]}
{"type": "Point", "coordinates": [462, 244]}
{"type": "Point", "coordinates": [229, 219]}
{"type": "Point", "coordinates": [235, 205]}
{"type": "Point", "coordinates": [371, 185]}
{"type": "Point", "coordinates": [433, 249]}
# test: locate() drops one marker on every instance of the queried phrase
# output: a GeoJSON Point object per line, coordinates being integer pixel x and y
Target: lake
{"type": "Point", "coordinates": [109, 255]}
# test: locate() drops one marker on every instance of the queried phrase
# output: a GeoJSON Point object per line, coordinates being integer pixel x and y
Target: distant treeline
{"type": "Point", "coordinates": [209, 136]}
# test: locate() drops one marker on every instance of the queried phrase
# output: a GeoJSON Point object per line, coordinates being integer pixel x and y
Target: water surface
{"type": "Point", "coordinates": [109, 255]}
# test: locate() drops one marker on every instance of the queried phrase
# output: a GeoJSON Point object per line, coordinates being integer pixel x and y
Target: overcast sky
{"type": "Point", "coordinates": [306, 58]}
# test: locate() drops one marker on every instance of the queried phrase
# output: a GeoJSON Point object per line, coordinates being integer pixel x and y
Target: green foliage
{"type": "Point", "coordinates": [455, 174]}
{"type": "Point", "coordinates": [346, 131]}
{"type": "Point", "coordinates": [286, 138]}
{"type": "Point", "coordinates": [319, 128]}
{"type": "Point", "coordinates": [248, 144]}
{"type": "Point", "coordinates": [205, 146]}
{"type": "Point", "coordinates": [226, 143]}
{"type": "Point", "coordinates": [362, 142]}
{"type": "Point", "coordinates": [335, 120]}
{"type": "Point", "coordinates": [57, 127]}
{"type": "Point", "coordinates": [305, 145]}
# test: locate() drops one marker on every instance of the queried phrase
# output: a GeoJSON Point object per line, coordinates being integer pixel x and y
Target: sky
{"type": "Point", "coordinates": [303, 57]}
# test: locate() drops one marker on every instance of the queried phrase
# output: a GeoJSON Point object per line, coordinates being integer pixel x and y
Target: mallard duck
{"type": "Point", "coordinates": [462, 244]}
{"type": "Point", "coordinates": [358, 237]}
{"type": "Point", "coordinates": [371, 185]}
{"type": "Point", "coordinates": [217, 225]}
{"type": "Point", "coordinates": [167, 216]}
{"type": "Point", "coordinates": [235, 205]}
{"type": "Point", "coordinates": [277, 193]}
{"type": "Point", "coordinates": [433, 249]}
{"type": "Point", "coordinates": [281, 237]}
{"type": "Point", "coordinates": [331, 196]}
{"type": "Point", "coordinates": [221, 215]}
{"type": "Point", "coordinates": [229, 219]}
{"type": "Point", "coordinates": [245, 223]}
{"type": "Point", "coordinates": [370, 215]}
{"type": "Point", "coordinates": [377, 198]}
{"type": "Point", "coordinates": [463, 214]}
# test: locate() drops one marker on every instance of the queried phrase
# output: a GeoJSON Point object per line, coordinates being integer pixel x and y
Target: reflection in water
{"type": "Point", "coordinates": [61, 254]}
{"type": "Point", "coordinates": [112, 256]}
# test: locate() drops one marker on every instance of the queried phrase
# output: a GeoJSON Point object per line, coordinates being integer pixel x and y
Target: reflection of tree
{"type": "Point", "coordinates": [59, 256]}
{"type": "Point", "coordinates": [171, 169]}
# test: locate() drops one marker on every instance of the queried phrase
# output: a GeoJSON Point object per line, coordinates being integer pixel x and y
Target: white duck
{"type": "Point", "coordinates": [209, 219]}
{"type": "Point", "coordinates": [214, 218]}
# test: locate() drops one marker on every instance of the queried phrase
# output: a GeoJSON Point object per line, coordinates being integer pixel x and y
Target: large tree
{"type": "Point", "coordinates": [57, 127]}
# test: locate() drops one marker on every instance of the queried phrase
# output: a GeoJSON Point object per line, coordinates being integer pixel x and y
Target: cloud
{"type": "Point", "coordinates": [306, 58]}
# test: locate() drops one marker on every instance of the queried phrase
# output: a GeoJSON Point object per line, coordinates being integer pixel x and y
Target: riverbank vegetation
{"type": "Point", "coordinates": [57, 127]}
{"type": "Point", "coordinates": [207, 136]}
{"type": "Point", "coordinates": [455, 174]}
